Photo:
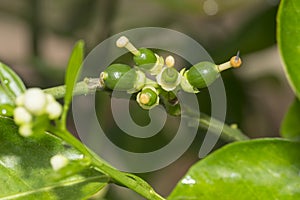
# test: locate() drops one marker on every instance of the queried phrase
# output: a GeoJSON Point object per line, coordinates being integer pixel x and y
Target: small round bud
{"type": "Point", "coordinates": [54, 110]}
{"type": "Point", "coordinates": [20, 100]}
{"type": "Point", "coordinates": [118, 77]}
{"type": "Point", "coordinates": [202, 74]}
{"type": "Point", "coordinates": [25, 130]}
{"type": "Point", "coordinates": [170, 61]}
{"type": "Point", "coordinates": [35, 101]}
{"type": "Point", "coordinates": [185, 85]}
{"type": "Point", "coordinates": [58, 162]}
{"type": "Point", "coordinates": [148, 97]}
{"type": "Point", "coordinates": [146, 60]}
{"type": "Point", "coordinates": [22, 116]}
{"type": "Point", "coordinates": [50, 98]}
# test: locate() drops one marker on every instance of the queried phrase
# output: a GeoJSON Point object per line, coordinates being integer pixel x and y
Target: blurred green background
{"type": "Point", "coordinates": [37, 36]}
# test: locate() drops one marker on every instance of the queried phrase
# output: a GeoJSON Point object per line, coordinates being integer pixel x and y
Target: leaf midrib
{"type": "Point", "coordinates": [51, 187]}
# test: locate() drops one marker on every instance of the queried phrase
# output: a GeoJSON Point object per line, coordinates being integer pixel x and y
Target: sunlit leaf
{"type": "Point", "coordinates": [26, 173]}
{"type": "Point", "coordinates": [288, 36]}
{"type": "Point", "coordinates": [257, 169]}
{"type": "Point", "coordinates": [10, 81]}
{"type": "Point", "coordinates": [290, 124]}
{"type": "Point", "coordinates": [74, 65]}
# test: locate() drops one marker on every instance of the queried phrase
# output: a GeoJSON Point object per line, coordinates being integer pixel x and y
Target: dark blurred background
{"type": "Point", "coordinates": [36, 38]}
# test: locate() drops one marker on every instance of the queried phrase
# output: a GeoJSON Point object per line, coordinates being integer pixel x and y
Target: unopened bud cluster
{"type": "Point", "coordinates": [31, 106]}
{"type": "Point", "coordinates": [122, 77]}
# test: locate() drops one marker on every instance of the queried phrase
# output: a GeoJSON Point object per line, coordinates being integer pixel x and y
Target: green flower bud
{"type": "Point", "coordinates": [168, 78]}
{"type": "Point", "coordinates": [202, 74]}
{"type": "Point", "coordinates": [146, 59]}
{"type": "Point", "coordinates": [148, 97]}
{"type": "Point", "coordinates": [185, 85]}
{"type": "Point", "coordinates": [118, 77]}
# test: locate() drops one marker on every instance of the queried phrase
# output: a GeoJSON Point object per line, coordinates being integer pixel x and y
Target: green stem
{"type": "Point", "coordinates": [131, 181]}
{"type": "Point", "coordinates": [229, 133]}
{"type": "Point", "coordinates": [80, 89]}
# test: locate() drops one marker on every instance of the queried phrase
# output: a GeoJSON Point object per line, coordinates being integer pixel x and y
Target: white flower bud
{"type": "Point", "coordinates": [22, 116]}
{"type": "Point", "coordinates": [58, 161]}
{"type": "Point", "coordinates": [50, 98]}
{"type": "Point", "coordinates": [25, 130]}
{"type": "Point", "coordinates": [20, 100]}
{"type": "Point", "coordinates": [54, 110]}
{"type": "Point", "coordinates": [35, 101]}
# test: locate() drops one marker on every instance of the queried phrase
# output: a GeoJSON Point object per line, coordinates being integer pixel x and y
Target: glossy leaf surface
{"type": "Point", "coordinates": [257, 169]}
{"type": "Point", "coordinates": [288, 36]}
{"type": "Point", "coordinates": [26, 173]}
{"type": "Point", "coordinates": [73, 69]}
{"type": "Point", "coordinates": [290, 124]}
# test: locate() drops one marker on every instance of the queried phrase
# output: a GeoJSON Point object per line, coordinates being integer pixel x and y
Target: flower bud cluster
{"type": "Point", "coordinates": [33, 105]}
{"type": "Point", "coordinates": [167, 79]}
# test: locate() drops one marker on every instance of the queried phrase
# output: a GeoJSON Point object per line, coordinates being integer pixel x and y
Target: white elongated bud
{"type": "Point", "coordinates": [124, 42]}
{"type": "Point", "coordinates": [22, 116]}
{"type": "Point", "coordinates": [35, 101]}
{"type": "Point", "coordinates": [54, 110]}
{"type": "Point", "coordinates": [58, 162]}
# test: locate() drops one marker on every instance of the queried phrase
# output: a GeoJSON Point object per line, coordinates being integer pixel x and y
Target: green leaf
{"type": "Point", "coordinates": [257, 169]}
{"type": "Point", "coordinates": [26, 173]}
{"type": "Point", "coordinates": [11, 82]}
{"type": "Point", "coordinates": [288, 36]}
{"type": "Point", "coordinates": [290, 124]}
{"type": "Point", "coordinates": [73, 69]}
{"type": "Point", "coordinates": [11, 86]}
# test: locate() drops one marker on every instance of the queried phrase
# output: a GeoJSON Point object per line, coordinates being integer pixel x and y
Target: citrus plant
{"type": "Point", "coordinates": [41, 159]}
